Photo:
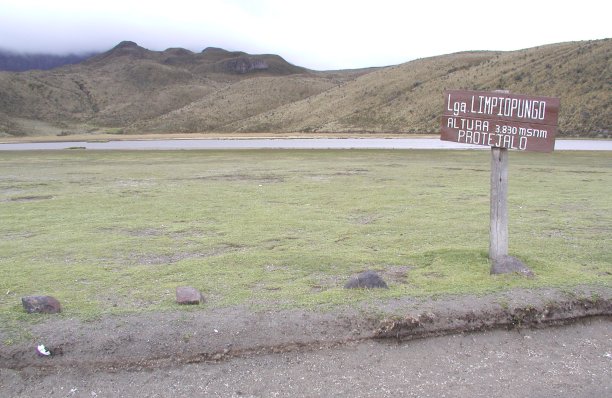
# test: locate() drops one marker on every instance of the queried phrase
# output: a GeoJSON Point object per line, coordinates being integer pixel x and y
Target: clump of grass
{"type": "Point", "coordinates": [116, 232]}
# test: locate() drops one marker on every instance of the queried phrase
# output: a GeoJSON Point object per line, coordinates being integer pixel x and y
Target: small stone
{"type": "Point", "coordinates": [509, 264]}
{"type": "Point", "coordinates": [188, 295]}
{"type": "Point", "coordinates": [367, 280]}
{"type": "Point", "coordinates": [41, 304]}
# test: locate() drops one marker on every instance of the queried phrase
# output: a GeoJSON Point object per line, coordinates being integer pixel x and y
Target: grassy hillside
{"type": "Point", "coordinates": [130, 89]}
{"type": "Point", "coordinates": [231, 105]}
{"type": "Point", "coordinates": [408, 97]}
{"type": "Point", "coordinates": [129, 86]}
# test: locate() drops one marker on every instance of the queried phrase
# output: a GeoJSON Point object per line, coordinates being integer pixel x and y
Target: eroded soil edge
{"type": "Point", "coordinates": [154, 340]}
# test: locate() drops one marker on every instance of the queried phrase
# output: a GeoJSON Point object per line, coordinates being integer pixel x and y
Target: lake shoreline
{"type": "Point", "coordinates": [233, 143]}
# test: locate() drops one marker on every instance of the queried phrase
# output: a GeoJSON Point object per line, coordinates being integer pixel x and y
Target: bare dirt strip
{"type": "Point", "coordinates": [152, 340]}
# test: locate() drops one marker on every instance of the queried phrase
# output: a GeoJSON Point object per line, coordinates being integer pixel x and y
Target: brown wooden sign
{"type": "Point", "coordinates": [495, 119]}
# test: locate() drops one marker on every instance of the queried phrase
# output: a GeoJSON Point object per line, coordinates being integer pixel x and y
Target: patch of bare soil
{"type": "Point", "coordinates": [30, 198]}
{"type": "Point", "coordinates": [154, 340]}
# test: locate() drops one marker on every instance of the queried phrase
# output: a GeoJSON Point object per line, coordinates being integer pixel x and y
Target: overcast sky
{"type": "Point", "coordinates": [318, 34]}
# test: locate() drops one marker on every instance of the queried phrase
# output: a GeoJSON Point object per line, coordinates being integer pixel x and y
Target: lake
{"type": "Point", "coordinates": [288, 143]}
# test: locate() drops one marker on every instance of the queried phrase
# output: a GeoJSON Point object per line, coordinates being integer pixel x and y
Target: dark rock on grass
{"type": "Point", "coordinates": [188, 295]}
{"type": "Point", "coordinates": [508, 265]}
{"type": "Point", "coordinates": [41, 304]}
{"type": "Point", "coordinates": [366, 280]}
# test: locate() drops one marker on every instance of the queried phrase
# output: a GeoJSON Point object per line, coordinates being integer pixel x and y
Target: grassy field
{"type": "Point", "coordinates": [115, 232]}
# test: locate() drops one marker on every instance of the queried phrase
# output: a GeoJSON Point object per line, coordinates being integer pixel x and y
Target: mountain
{"type": "Point", "coordinates": [130, 89]}
{"type": "Point", "coordinates": [16, 62]}
{"type": "Point", "coordinates": [211, 60]}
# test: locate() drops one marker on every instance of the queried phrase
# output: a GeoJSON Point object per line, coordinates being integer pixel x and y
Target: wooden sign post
{"type": "Point", "coordinates": [501, 121]}
{"type": "Point", "coordinates": [498, 228]}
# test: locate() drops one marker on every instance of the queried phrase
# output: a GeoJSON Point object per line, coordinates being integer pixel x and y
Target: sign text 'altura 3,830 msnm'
{"type": "Point", "coordinates": [500, 120]}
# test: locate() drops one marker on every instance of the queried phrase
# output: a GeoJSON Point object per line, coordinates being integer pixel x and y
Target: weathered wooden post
{"type": "Point", "coordinates": [501, 121]}
{"type": "Point", "coordinates": [498, 224]}
{"type": "Point", "coordinates": [501, 262]}
{"type": "Point", "coordinates": [498, 228]}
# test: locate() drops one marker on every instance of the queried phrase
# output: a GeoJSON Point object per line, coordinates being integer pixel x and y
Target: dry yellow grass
{"type": "Point", "coordinates": [408, 97]}
{"type": "Point", "coordinates": [132, 90]}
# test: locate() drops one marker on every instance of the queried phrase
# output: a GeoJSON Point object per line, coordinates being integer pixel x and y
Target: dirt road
{"type": "Point", "coordinates": [566, 361]}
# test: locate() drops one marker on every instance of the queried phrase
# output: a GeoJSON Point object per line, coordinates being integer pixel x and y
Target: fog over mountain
{"type": "Point", "coordinates": [20, 62]}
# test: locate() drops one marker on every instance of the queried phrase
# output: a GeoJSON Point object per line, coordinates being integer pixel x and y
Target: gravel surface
{"type": "Point", "coordinates": [565, 361]}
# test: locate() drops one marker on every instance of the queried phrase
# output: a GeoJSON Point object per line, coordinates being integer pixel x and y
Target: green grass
{"type": "Point", "coordinates": [115, 232]}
